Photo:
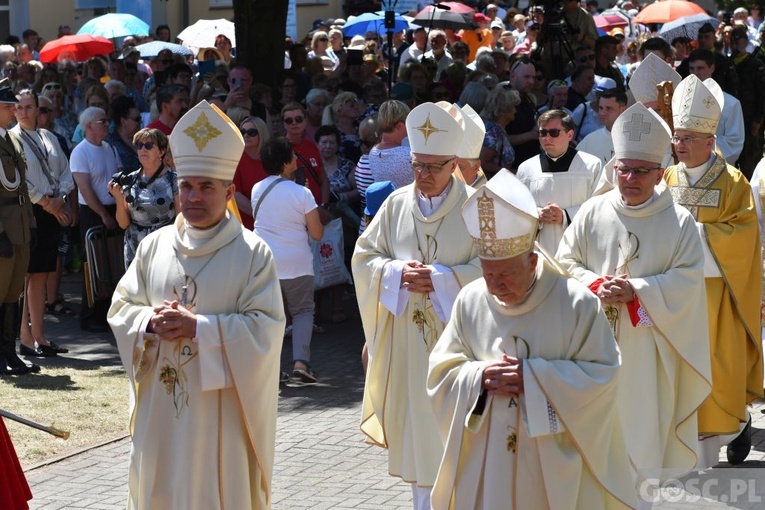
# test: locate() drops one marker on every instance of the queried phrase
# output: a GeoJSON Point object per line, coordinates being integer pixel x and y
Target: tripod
{"type": "Point", "coordinates": [555, 48]}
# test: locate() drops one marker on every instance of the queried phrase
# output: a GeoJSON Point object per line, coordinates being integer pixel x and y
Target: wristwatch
{"type": "Point", "coordinates": [325, 205]}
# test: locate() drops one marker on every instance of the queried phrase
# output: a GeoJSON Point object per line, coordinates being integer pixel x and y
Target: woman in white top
{"type": "Point", "coordinates": [285, 214]}
{"type": "Point", "coordinates": [390, 160]}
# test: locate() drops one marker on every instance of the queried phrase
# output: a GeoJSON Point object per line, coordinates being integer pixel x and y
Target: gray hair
{"type": "Point", "coordinates": [88, 115]}
{"type": "Point", "coordinates": [435, 33]}
{"type": "Point", "coordinates": [500, 101]}
{"type": "Point", "coordinates": [313, 94]}
{"type": "Point", "coordinates": [6, 52]}
{"type": "Point", "coordinates": [115, 86]}
{"type": "Point", "coordinates": [475, 95]}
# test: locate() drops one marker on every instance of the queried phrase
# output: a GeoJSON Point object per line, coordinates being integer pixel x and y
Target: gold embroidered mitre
{"type": "Point", "coordinates": [694, 107]}
{"type": "Point", "coordinates": [205, 143]}
{"type": "Point", "coordinates": [435, 129]}
{"type": "Point", "coordinates": [502, 218]}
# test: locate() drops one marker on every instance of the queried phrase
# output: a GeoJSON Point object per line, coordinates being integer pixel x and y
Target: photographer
{"type": "Point", "coordinates": [580, 26]}
{"type": "Point", "coordinates": [147, 198]}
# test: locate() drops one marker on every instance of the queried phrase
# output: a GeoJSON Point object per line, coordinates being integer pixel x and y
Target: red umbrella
{"type": "Point", "coordinates": [454, 7]}
{"type": "Point", "coordinates": [668, 10]}
{"type": "Point", "coordinates": [607, 22]}
{"type": "Point", "coordinates": [75, 47]}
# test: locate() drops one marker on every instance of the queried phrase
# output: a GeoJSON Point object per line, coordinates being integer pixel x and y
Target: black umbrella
{"type": "Point", "coordinates": [444, 20]}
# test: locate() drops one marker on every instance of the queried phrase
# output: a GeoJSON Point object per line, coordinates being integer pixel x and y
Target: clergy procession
{"type": "Point", "coordinates": [561, 307]}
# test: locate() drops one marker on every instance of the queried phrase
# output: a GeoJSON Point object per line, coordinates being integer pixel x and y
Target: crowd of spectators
{"type": "Point", "coordinates": [333, 104]}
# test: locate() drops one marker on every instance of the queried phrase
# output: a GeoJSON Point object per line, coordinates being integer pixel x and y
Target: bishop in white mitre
{"type": "Point", "coordinates": [526, 405]}
{"type": "Point", "coordinates": [641, 254]}
{"type": "Point", "coordinates": [200, 338]}
{"type": "Point", "coordinates": [409, 266]}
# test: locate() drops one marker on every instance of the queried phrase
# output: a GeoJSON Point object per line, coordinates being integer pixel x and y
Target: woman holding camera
{"type": "Point", "coordinates": [49, 180]}
{"type": "Point", "coordinates": [147, 198]}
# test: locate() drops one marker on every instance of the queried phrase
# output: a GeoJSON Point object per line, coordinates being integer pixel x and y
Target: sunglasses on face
{"type": "Point", "coordinates": [44, 110]}
{"type": "Point", "coordinates": [250, 132]}
{"type": "Point", "coordinates": [52, 86]}
{"type": "Point", "coordinates": [586, 58]}
{"type": "Point", "coordinates": [148, 145]}
{"type": "Point", "coordinates": [553, 133]}
{"type": "Point", "coordinates": [293, 120]}
{"type": "Point", "coordinates": [323, 39]}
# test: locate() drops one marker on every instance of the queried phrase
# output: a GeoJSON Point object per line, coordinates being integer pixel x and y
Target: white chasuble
{"type": "Point", "coordinates": [559, 444]}
{"type": "Point", "coordinates": [569, 190]}
{"type": "Point", "coordinates": [396, 413]}
{"type": "Point", "coordinates": [666, 370]}
{"type": "Point", "coordinates": [203, 417]}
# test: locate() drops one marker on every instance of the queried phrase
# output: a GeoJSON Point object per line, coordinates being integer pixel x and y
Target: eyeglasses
{"type": "Point", "coordinates": [638, 171]}
{"type": "Point", "coordinates": [44, 110]}
{"type": "Point", "coordinates": [293, 120]}
{"type": "Point", "coordinates": [687, 140]}
{"type": "Point", "coordinates": [586, 58]}
{"type": "Point", "coordinates": [323, 39]}
{"type": "Point", "coordinates": [432, 168]}
{"type": "Point", "coordinates": [103, 122]}
{"type": "Point", "coordinates": [249, 132]}
{"type": "Point", "coordinates": [148, 145]}
{"type": "Point", "coordinates": [519, 62]}
{"type": "Point", "coordinates": [554, 133]}
{"type": "Point", "coordinates": [52, 86]}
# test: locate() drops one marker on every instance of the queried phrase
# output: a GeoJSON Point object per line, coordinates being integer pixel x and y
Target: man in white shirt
{"type": "Point", "coordinates": [599, 143]}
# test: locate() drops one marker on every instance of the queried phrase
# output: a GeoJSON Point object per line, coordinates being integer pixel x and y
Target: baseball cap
{"type": "Point", "coordinates": [531, 23]}
{"type": "Point", "coordinates": [497, 24]}
{"type": "Point", "coordinates": [402, 91]}
{"type": "Point", "coordinates": [376, 194]}
{"type": "Point", "coordinates": [605, 84]}
{"type": "Point", "coordinates": [478, 17]}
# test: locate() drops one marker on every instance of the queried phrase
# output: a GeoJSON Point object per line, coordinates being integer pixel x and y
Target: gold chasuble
{"type": "Point", "coordinates": [721, 202]}
{"type": "Point", "coordinates": [396, 413]}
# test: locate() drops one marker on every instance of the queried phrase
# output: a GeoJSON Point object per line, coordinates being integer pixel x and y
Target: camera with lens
{"type": "Point", "coordinates": [122, 178]}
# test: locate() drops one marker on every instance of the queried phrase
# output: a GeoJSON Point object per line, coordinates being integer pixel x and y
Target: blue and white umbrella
{"type": "Point", "coordinates": [114, 25]}
{"type": "Point", "coordinates": [374, 22]}
{"type": "Point", "coordinates": [152, 49]}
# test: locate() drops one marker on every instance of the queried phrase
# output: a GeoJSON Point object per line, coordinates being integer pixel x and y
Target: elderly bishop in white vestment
{"type": "Point", "coordinates": [203, 417]}
{"type": "Point", "coordinates": [409, 266]}
{"type": "Point", "coordinates": [555, 441]}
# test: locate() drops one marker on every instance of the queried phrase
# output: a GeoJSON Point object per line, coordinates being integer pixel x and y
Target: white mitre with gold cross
{"type": "Point", "coordinates": [475, 132]}
{"type": "Point", "coordinates": [651, 72]}
{"type": "Point", "coordinates": [502, 218]}
{"type": "Point", "coordinates": [639, 133]}
{"type": "Point", "coordinates": [694, 107]}
{"type": "Point", "coordinates": [434, 130]}
{"type": "Point", "coordinates": [205, 143]}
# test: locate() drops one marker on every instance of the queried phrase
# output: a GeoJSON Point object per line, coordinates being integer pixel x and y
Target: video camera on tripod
{"type": "Point", "coordinates": [553, 41]}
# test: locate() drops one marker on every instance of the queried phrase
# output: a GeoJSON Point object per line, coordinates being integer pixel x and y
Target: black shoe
{"type": "Point", "coordinates": [739, 448]}
{"type": "Point", "coordinates": [41, 351]}
{"type": "Point", "coordinates": [17, 366]}
{"type": "Point", "coordinates": [56, 348]}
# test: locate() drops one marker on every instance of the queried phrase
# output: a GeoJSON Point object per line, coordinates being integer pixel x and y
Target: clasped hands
{"type": "Point", "coordinates": [504, 377]}
{"type": "Point", "coordinates": [551, 213]}
{"type": "Point", "coordinates": [415, 277]}
{"type": "Point", "coordinates": [615, 290]}
{"type": "Point", "coordinates": [172, 321]}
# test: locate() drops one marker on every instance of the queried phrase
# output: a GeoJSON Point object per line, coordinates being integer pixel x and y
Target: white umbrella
{"type": "Point", "coordinates": [202, 34]}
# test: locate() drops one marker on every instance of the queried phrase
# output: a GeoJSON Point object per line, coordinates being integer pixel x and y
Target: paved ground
{"type": "Point", "coordinates": [321, 460]}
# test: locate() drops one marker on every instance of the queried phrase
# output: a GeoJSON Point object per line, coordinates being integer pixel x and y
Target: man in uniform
{"type": "Point", "coordinates": [200, 339]}
{"type": "Point", "coordinates": [720, 200]}
{"type": "Point", "coordinates": [409, 265]}
{"type": "Point", "coordinates": [15, 235]}
{"type": "Point", "coordinates": [523, 380]}
{"type": "Point", "coordinates": [641, 255]}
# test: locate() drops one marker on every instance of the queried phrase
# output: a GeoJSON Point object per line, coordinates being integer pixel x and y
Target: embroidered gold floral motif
{"type": "Point", "coordinates": [612, 313]}
{"type": "Point", "coordinates": [427, 324]}
{"type": "Point", "coordinates": [173, 375]}
{"type": "Point", "coordinates": [202, 132]}
{"type": "Point", "coordinates": [512, 441]}
{"type": "Point", "coordinates": [418, 318]}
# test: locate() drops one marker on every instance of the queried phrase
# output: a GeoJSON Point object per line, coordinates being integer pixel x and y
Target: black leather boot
{"type": "Point", "coordinates": [9, 329]}
{"type": "Point", "coordinates": [739, 448]}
